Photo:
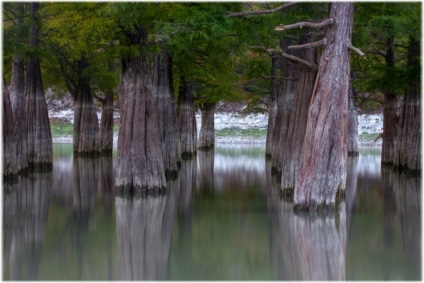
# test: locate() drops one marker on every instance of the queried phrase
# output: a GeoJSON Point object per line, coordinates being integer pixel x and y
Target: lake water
{"type": "Point", "coordinates": [221, 220]}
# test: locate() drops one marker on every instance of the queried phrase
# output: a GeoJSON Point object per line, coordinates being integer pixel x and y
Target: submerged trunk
{"type": "Point", "coordinates": [187, 119]}
{"type": "Point", "coordinates": [272, 112]}
{"type": "Point", "coordinates": [40, 150]}
{"type": "Point", "coordinates": [409, 143]}
{"type": "Point", "coordinates": [86, 124]}
{"type": "Point", "coordinates": [9, 138]}
{"type": "Point", "coordinates": [324, 151]}
{"type": "Point", "coordinates": [106, 125]}
{"type": "Point", "coordinates": [140, 166]}
{"type": "Point", "coordinates": [207, 129]}
{"type": "Point", "coordinates": [284, 109]}
{"type": "Point", "coordinates": [390, 113]}
{"type": "Point", "coordinates": [352, 125]}
{"type": "Point", "coordinates": [167, 115]}
{"type": "Point", "coordinates": [297, 123]}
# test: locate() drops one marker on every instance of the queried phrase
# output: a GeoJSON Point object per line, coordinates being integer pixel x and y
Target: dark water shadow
{"type": "Point", "coordinates": [25, 212]}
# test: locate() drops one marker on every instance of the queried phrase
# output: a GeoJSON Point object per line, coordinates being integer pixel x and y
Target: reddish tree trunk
{"type": "Point", "coordinates": [272, 111]}
{"type": "Point", "coordinates": [106, 125]}
{"type": "Point", "coordinates": [187, 119]}
{"type": "Point", "coordinates": [284, 109]}
{"type": "Point", "coordinates": [140, 166]}
{"type": "Point", "coordinates": [86, 124]}
{"type": "Point", "coordinates": [408, 154]}
{"type": "Point", "coordinates": [207, 129]}
{"type": "Point", "coordinates": [297, 124]}
{"type": "Point", "coordinates": [324, 152]}
{"type": "Point", "coordinates": [167, 115]}
{"type": "Point", "coordinates": [9, 138]}
{"type": "Point", "coordinates": [40, 150]}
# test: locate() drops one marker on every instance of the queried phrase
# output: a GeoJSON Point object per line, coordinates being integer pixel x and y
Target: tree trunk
{"type": "Point", "coordinates": [352, 125]}
{"type": "Point", "coordinates": [106, 125]}
{"type": "Point", "coordinates": [167, 115]}
{"type": "Point", "coordinates": [40, 150]}
{"type": "Point", "coordinates": [86, 124]}
{"type": "Point", "coordinates": [390, 113]}
{"type": "Point", "coordinates": [297, 124]}
{"type": "Point", "coordinates": [272, 111]}
{"type": "Point", "coordinates": [207, 129]}
{"type": "Point", "coordinates": [9, 138]}
{"type": "Point", "coordinates": [409, 144]}
{"type": "Point", "coordinates": [140, 166]}
{"type": "Point", "coordinates": [187, 119]}
{"type": "Point", "coordinates": [284, 109]}
{"type": "Point", "coordinates": [324, 151]}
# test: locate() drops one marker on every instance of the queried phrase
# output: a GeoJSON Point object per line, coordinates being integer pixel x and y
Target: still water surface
{"type": "Point", "coordinates": [222, 220]}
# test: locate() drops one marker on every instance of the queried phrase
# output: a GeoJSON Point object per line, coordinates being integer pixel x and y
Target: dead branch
{"type": "Point", "coordinates": [269, 51]}
{"type": "Point", "coordinates": [322, 24]}
{"type": "Point", "coordinates": [310, 45]}
{"type": "Point", "coordinates": [260, 12]}
{"type": "Point", "coordinates": [378, 52]}
{"type": "Point", "coordinates": [356, 50]}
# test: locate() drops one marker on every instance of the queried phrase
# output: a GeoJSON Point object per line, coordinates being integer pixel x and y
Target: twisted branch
{"type": "Point", "coordinates": [260, 12]}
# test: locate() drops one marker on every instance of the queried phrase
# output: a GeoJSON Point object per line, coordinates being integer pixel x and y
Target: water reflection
{"type": "Point", "coordinates": [144, 229]}
{"type": "Point", "coordinates": [402, 204]}
{"type": "Point", "coordinates": [26, 206]}
{"type": "Point", "coordinates": [307, 246]}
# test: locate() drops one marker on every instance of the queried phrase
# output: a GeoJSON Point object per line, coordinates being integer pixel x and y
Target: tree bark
{"type": "Point", "coordinates": [106, 125]}
{"type": "Point", "coordinates": [86, 124]}
{"type": "Point", "coordinates": [390, 113]}
{"type": "Point", "coordinates": [17, 97]}
{"type": "Point", "coordinates": [352, 125]}
{"type": "Point", "coordinates": [207, 129]}
{"type": "Point", "coordinates": [167, 115]}
{"type": "Point", "coordinates": [324, 151]}
{"type": "Point", "coordinates": [140, 166]}
{"type": "Point", "coordinates": [408, 154]}
{"type": "Point", "coordinates": [284, 109]}
{"type": "Point", "coordinates": [297, 123]}
{"type": "Point", "coordinates": [187, 118]}
{"type": "Point", "coordinates": [9, 138]}
{"type": "Point", "coordinates": [272, 111]}
{"type": "Point", "coordinates": [40, 150]}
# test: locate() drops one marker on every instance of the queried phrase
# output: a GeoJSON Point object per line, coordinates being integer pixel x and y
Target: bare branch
{"type": "Point", "coordinates": [359, 52]}
{"type": "Point", "coordinates": [378, 52]}
{"type": "Point", "coordinates": [269, 51]}
{"type": "Point", "coordinates": [260, 12]}
{"type": "Point", "coordinates": [322, 24]}
{"type": "Point", "coordinates": [310, 45]}
{"type": "Point", "coordinates": [101, 99]}
{"type": "Point", "coordinates": [298, 60]}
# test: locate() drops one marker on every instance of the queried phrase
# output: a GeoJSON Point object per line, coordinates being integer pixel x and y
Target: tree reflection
{"type": "Point", "coordinates": [402, 204]}
{"type": "Point", "coordinates": [25, 216]}
{"type": "Point", "coordinates": [206, 170]}
{"type": "Point", "coordinates": [144, 229]}
{"type": "Point", "coordinates": [308, 246]}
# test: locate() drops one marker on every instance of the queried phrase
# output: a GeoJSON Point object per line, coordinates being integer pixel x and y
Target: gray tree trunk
{"type": "Point", "coordinates": [9, 138]}
{"type": "Point", "coordinates": [324, 151]}
{"type": "Point", "coordinates": [408, 153]}
{"type": "Point", "coordinates": [352, 125]}
{"type": "Point", "coordinates": [272, 111]}
{"type": "Point", "coordinates": [187, 119]}
{"type": "Point", "coordinates": [140, 166]}
{"type": "Point", "coordinates": [167, 115]}
{"type": "Point", "coordinates": [390, 113]}
{"type": "Point", "coordinates": [284, 109]}
{"type": "Point", "coordinates": [106, 125]}
{"type": "Point", "coordinates": [40, 150]}
{"type": "Point", "coordinates": [86, 123]}
{"type": "Point", "coordinates": [297, 124]}
{"type": "Point", "coordinates": [207, 129]}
